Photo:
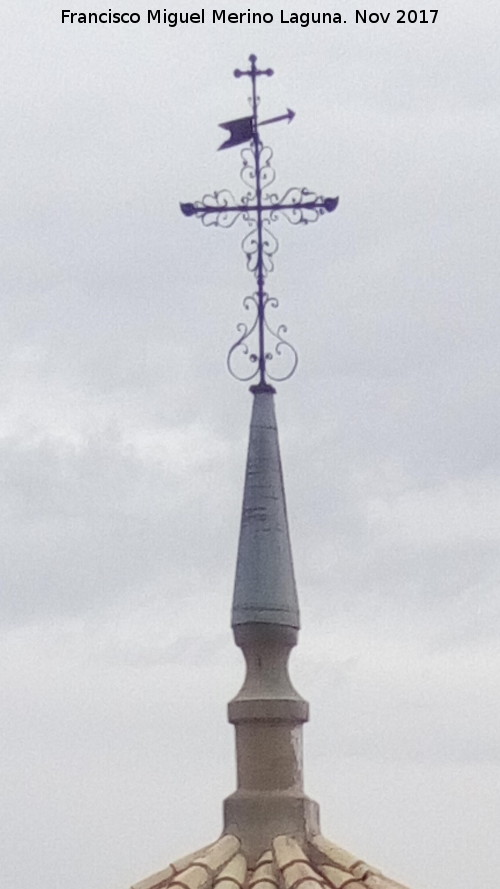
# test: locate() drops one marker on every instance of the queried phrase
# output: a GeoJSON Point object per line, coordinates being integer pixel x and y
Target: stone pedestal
{"type": "Point", "coordinates": [268, 714]}
{"type": "Point", "coordinates": [257, 818]}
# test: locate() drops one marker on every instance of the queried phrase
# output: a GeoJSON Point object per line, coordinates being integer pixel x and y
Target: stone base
{"type": "Point", "coordinates": [256, 818]}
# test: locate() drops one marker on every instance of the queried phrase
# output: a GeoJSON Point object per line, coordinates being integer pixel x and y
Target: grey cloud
{"type": "Point", "coordinates": [123, 443]}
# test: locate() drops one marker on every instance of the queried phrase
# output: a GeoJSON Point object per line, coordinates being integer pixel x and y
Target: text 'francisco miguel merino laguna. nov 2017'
{"type": "Point", "coordinates": [173, 18]}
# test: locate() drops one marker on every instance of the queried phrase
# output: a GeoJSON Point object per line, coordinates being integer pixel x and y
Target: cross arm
{"type": "Point", "coordinates": [328, 204]}
{"type": "Point", "coordinates": [200, 209]}
{"type": "Point", "coordinates": [299, 205]}
{"type": "Point", "coordinates": [219, 208]}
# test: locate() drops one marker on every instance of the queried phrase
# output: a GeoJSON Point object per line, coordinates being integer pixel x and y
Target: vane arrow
{"type": "Point", "coordinates": [289, 116]}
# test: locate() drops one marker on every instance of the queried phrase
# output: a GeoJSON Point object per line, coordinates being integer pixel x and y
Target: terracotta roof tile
{"type": "Point", "coordinates": [163, 877]}
{"type": "Point", "coordinates": [319, 864]}
{"type": "Point", "coordinates": [233, 874]}
{"type": "Point", "coordinates": [295, 868]}
{"type": "Point", "coordinates": [220, 853]}
{"type": "Point", "coordinates": [338, 877]}
{"type": "Point", "coordinates": [196, 876]}
{"type": "Point", "coordinates": [330, 853]}
{"type": "Point", "coordinates": [264, 875]}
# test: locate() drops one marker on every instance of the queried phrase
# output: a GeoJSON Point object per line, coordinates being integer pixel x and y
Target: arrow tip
{"type": "Point", "coordinates": [291, 115]}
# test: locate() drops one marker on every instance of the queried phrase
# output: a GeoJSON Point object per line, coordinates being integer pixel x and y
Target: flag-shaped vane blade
{"type": "Point", "coordinates": [240, 130]}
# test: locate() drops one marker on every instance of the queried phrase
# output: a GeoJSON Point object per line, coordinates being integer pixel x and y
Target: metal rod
{"type": "Point", "coordinates": [258, 195]}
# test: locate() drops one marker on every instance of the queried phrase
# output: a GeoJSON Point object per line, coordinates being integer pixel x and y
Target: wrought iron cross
{"type": "Point", "coordinates": [259, 209]}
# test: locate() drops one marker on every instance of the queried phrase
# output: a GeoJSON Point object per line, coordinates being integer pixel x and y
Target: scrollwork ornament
{"type": "Point", "coordinates": [259, 208]}
{"type": "Point", "coordinates": [279, 350]}
{"type": "Point", "coordinates": [282, 348]}
{"type": "Point", "coordinates": [247, 172]}
{"type": "Point", "coordinates": [241, 348]}
{"type": "Point", "coordinates": [260, 254]}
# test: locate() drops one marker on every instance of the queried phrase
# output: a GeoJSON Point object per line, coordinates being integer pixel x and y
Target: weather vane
{"type": "Point", "coordinates": [259, 208]}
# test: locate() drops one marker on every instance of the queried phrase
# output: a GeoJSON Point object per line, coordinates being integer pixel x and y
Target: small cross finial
{"type": "Point", "coordinates": [259, 208]}
{"type": "Point", "coordinates": [254, 72]}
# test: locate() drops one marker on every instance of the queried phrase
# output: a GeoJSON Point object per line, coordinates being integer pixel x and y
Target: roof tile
{"type": "Point", "coordinates": [296, 869]}
{"type": "Point", "coordinates": [319, 865]}
{"type": "Point", "coordinates": [162, 877]}
{"type": "Point", "coordinates": [233, 873]}
{"type": "Point", "coordinates": [338, 877]}
{"type": "Point", "coordinates": [264, 874]}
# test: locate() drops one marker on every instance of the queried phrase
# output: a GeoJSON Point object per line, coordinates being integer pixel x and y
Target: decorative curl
{"type": "Point", "coordinates": [217, 209]}
{"type": "Point", "coordinates": [241, 344]}
{"type": "Point", "coordinates": [250, 246]}
{"type": "Point", "coordinates": [242, 351]}
{"type": "Point", "coordinates": [300, 206]}
{"type": "Point", "coordinates": [248, 170]}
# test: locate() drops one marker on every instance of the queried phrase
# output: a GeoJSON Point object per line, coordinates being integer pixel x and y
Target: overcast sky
{"type": "Point", "coordinates": [123, 438]}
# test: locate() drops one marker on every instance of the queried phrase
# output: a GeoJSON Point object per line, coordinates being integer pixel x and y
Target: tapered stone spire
{"type": "Point", "coordinates": [264, 590]}
{"type": "Point", "coordinates": [267, 713]}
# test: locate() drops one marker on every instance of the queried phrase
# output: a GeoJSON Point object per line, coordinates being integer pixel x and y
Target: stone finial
{"type": "Point", "coordinates": [267, 713]}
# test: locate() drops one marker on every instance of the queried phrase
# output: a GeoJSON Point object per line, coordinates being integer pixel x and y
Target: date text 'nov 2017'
{"type": "Point", "coordinates": [403, 16]}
